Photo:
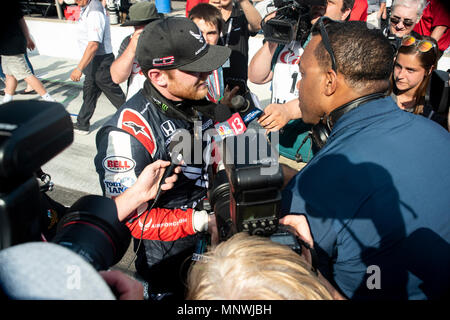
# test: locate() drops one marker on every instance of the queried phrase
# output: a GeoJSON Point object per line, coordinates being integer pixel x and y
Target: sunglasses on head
{"type": "Point", "coordinates": [406, 22]}
{"type": "Point", "coordinates": [319, 27]}
{"type": "Point", "coordinates": [421, 45]}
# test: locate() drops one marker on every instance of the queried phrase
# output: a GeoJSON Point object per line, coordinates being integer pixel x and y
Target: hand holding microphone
{"type": "Point", "coordinates": [151, 180]}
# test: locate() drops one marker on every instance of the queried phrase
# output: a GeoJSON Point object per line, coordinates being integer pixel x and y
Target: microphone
{"type": "Point", "coordinates": [228, 124]}
{"type": "Point", "coordinates": [177, 154]}
{"type": "Point", "coordinates": [243, 106]}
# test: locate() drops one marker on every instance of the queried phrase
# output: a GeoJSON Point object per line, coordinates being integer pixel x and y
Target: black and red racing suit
{"type": "Point", "coordinates": [138, 134]}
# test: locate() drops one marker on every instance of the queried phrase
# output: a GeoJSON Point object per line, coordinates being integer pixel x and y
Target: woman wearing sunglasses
{"type": "Point", "coordinates": [416, 59]}
{"type": "Point", "coordinates": [405, 14]}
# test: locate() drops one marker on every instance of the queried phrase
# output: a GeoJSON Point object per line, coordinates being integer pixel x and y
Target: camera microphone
{"type": "Point", "coordinates": [178, 152]}
{"type": "Point", "coordinates": [228, 124]}
{"type": "Point", "coordinates": [244, 107]}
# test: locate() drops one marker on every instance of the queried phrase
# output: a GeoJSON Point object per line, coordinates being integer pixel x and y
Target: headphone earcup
{"type": "Point", "coordinates": [320, 134]}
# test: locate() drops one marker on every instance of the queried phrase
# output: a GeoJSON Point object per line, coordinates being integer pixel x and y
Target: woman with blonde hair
{"type": "Point", "coordinates": [255, 268]}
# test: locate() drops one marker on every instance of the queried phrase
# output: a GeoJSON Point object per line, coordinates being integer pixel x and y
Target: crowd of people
{"type": "Point", "coordinates": [372, 217]}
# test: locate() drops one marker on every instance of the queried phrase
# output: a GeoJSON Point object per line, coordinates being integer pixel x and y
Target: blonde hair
{"type": "Point", "coordinates": [253, 268]}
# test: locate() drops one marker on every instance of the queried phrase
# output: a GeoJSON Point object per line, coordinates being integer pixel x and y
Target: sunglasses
{"type": "Point", "coordinates": [421, 45]}
{"type": "Point", "coordinates": [406, 22]}
{"type": "Point", "coordinates": [320, 27]}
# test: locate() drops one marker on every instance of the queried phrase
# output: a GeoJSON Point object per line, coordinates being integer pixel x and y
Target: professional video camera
{"type": "Point", "coordinates": [32, 133]}
{"type": "Point", "coordinates": [292, 21]}
{"type": "Point", "coordinates": [244, 189]}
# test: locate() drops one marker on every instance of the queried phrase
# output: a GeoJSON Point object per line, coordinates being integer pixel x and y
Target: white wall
{"type": "Point", "coordinates": [57, 38]}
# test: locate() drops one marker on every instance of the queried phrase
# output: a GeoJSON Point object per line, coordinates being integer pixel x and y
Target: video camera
{"type": "Point", "coordinates": [32, 133]}
{"type": "Point", "coordinates": [244, 189]}
{"type": "Point", "coordinates": [292, 21]}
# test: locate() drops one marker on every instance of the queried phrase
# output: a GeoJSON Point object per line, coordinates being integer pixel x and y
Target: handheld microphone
{"type": "Point", "coordinates": [228, 124]}
{"type": "Point", "coordinates": [244, 107]}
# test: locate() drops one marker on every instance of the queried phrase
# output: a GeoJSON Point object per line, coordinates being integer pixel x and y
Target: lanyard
{"type": "Point", "coordinates": [230, 26]}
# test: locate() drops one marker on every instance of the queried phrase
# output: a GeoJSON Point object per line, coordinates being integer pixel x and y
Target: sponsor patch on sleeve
{"type": "Point", "coordinates": [134, 123]}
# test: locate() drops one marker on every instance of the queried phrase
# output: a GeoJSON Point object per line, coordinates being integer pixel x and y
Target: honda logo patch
{"type": "Point", "coordinates": [168, 128]}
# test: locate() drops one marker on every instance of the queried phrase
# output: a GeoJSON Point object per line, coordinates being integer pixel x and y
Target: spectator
{"type": "Point", "coordinates": [191, 4]}
{"type": "Point", "coordinates": [242, 20]}
{"type": "Point", "coordinates": [376, 12]}
{"type": "Point", "coordinates": [94, 39]}
{"type": "Point", "coordinates": [359, 11]}
{"type": "Point", "coordinates": [404, 16]}
{"type": "Point", "coordinates": [209, 20]}
{"type": "Point", "coordinates": [416, 59]}
{"type": "Point", "coordinates": [126, 66]}
{"type": "Point", "coordinates": [435, 22]}
{"type": "Point", "coordinates": [378, 204]}
{"type": "Point", "coordinates": [14, 41]}
{"type": "Point", "coordinates": [176, 60]}
{"type": "Point", "coordinates": [270, 64]}
{"type": "Point", "coordinates": [254, 268]}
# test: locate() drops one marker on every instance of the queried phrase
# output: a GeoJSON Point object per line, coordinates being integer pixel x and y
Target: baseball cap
{"type": "Point", "coordinates": [177, 43]}
{"type": "Point", "coordinates": [142, 13]}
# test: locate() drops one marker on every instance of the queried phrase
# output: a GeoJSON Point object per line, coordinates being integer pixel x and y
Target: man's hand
{"type": "Point", "coordinates": [76, 75]}
{"type": "Point", "coordinates": [228, 95]}
{"type": "Point", "coordinates": [123, 286]}
{"type": "Point", "coordinates": [274, 117]}
{"type": "Point", "coordinates": [30, 44]}
{"type": "Point", "coordinates": [301, 227]}
{"type": "Point", "coordinates": [145, 188]}
{"type": "Point", "coordinates": [148, 181]}
{"type": "Point", "coordinates": [134, 40]}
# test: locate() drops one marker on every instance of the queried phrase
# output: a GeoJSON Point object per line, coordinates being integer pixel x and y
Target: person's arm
{"type": "Point", "coordinates": [88, 55]}
{"type": "Point", "coordinates": [121, 67]}
{"type": "Point", "coordinates": [123, 286]}
{"type": "Point", "coordinates": [382, 11]}
{"type": "Point", "coordinates": [252, 15]}
{"type": "Point", "coordinates": [259, 69]}
{"type": "Point", "coordinates": [276, 115]}
{"type": "Point", "coordinates": [26, 32]}
{"type": "Point", "coordinates": [438, 32]}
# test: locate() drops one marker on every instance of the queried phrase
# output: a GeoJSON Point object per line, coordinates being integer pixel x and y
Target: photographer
{"type": "Point", "coordinates": [242, 21]}
{"type": "Point", "coordinates": [274, 62]}
{"type": "Point", "coordinates": [371, 210]}
{"type": "Point", "coordinates": [254, 268]}
{"type": "Point", "coordinates": [176, 61]}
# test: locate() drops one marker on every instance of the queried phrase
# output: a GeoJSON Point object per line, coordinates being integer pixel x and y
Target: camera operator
{"type": "Point", "coordinates": [375, 214]}
{"type": "Point", "coordinates": [176, 60]}
{"type": "Point", "coordinates": [271, 63]}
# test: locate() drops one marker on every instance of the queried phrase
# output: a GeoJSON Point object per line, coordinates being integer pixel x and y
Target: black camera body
{"type": "Point", "coordinates": [245, 189]}
{"type": "Point", "coordinates": [32, 133]}
{"type": "Point", "coordinates": [292, 21]}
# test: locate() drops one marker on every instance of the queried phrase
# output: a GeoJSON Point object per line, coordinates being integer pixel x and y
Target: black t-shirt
{"type": "Point", "coordinates": [235, 36]}
{"type": "Point", "coordinates": [12, 39]}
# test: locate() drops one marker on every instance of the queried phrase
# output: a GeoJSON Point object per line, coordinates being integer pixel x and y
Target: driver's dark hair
{"type": "Point", "coordinates": [364, 56]}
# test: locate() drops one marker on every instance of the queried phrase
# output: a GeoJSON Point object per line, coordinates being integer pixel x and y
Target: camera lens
{"type": "Point", "coordinates": [91, 229]}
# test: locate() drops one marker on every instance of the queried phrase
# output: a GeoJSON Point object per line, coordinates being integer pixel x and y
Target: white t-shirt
{"type": "Point", "coordinates": [93, 25]}
{"type": "Point", "coordinates": [285, 73]}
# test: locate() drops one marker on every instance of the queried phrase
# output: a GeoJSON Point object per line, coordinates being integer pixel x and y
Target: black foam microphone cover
{"type": "Point", "coordinates": [222, 113]}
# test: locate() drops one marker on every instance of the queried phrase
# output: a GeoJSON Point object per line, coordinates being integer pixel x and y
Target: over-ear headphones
{"type": "Point", "coordinates": [321, 131]}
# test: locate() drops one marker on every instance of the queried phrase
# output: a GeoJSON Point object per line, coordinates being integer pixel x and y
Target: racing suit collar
{"type": "Point", "coordinates": [187, 110]}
